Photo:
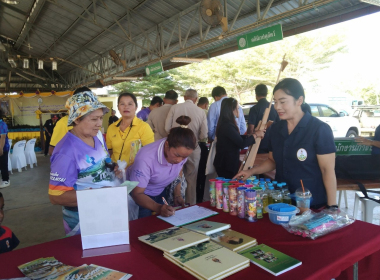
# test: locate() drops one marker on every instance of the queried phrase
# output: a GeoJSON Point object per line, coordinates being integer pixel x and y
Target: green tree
{"type": "Point", "coordinates": [150, 86]}
{"type": "Point", "coordinates": [241, 71]}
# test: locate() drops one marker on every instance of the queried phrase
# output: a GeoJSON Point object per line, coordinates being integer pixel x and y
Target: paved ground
{"type": "Point", "coordinates": [34, 220]}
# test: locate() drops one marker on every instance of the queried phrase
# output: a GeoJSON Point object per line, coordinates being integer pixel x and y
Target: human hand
{"type": "Point", "coordinates": [118, 172]}
{"type": "Point", "coordinates": [363, 141]}
{"type": "Point", "coordinates": [260, 133]}
{"type": "Point", "coordinates": [242, 175]}
{"type": "Point", "coordinates": [178, 200]}
{"type": "Point", "coordinates": [166, 210]}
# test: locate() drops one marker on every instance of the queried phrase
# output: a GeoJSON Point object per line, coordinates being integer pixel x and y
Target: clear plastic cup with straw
{"type": "Point", "coordinates": [303, 197]}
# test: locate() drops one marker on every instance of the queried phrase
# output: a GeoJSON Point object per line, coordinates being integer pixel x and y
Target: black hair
{"type": "Point", "coordinates": [1, 195]}
{"type": "Point", "coordinates": [81, 89]}
{"type": "Point", "coordinates": [155, 100]}
{"type": "Point", "coordinates": [131, 95]}
{"type": "Point", "coordinates": [203, 100]}
{"type": "Point", "coordinates": [171, 94]}
{"type": "Point", "coordinates": [293, 88]}
{"type": "Point", "coordinates": [182, 137]}
{"type": "Point", "coordinates": [63, 114]}
{"type": "Point", "coordinates": [235, 242]}
{"type": "Point", "coordinates": [261, 90]}
{"type": "Point", "coordinates": [218, 91]}
{"type": "Point", "coordinates": [227, 112]}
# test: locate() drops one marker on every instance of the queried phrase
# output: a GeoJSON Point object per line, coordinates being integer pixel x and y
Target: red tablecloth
{"type": "Point", "coordinates": [324, 258]}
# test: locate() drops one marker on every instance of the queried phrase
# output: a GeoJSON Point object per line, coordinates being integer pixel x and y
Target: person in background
{"type": "Point", "coordinates": [301, 147]}
{"type": "Point", "coordinates": [8, 240]}
{"type": "Point", "coordinates": [201, 178]}
{"type": "Point", "coordinates": [198, 125]}
{"type": "Point", "coordinates": [4, 150]}
{"type": "Point", "coordinates": [48, 128]}
{"type": "Point", "coordinates": [129, 133]}
{"type": "Point", "coordinates": [157, 165]}
{"type": "Point", "coordinates": [78, 161]}
{"type": "Point", "coordinates": [256, 114]}
{"type": "Point", "coordinates": [230, 141]}
{"type": "Point", "coordinates": [62, 115]}
{"type": "Point", "coordinates": [61, 127]}
{"type": "Point", "coordinates": [219, 93]}
{"type": "Point", "coordinates": [112, 118]}
{"type": "Point", "coordinates": [156, 118]}
{"type": "Point", "coordinates": [375, 143]}
{"type": "Point", "coordinates": [154, 104]}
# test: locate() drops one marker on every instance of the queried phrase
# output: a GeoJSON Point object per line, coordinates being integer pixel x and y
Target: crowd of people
{"type": "Point", "coordinates": [165, 147]}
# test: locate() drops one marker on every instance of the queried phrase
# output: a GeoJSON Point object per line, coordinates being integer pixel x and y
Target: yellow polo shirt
{"type": "Point", "coordinates": [140, 132]}
{"type": "Point", "coordinates": [60, 130]}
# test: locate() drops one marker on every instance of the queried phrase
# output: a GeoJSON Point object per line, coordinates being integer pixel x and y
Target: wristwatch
{"type": "Point", "coordinates": [332, 207]}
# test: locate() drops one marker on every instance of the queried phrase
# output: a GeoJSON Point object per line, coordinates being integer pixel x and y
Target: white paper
{"type": "Point", "coordinates": [103, 216]}
{"type": "Point", "coordinates": [188, 215]}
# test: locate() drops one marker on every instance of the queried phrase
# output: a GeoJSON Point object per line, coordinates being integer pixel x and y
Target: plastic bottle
{"type": "Point", "coordinates": [264, 199]}
{"type": "Point", "coordinates": [279, 187]}
{"type": "Point", "coordinates": [277, 196]}
{"type": "Point", "coordinates": [267, 181]}
{"type": "Point", "coordinates": [285, 187]}
{"type": "Point", "coordinates": [270, 192]}
{"type": "Point", "coordinates": [259, 207]}
{"type": "Point", "coordinates": [274, 184]}
{"type": "Point", "coordinates": [110, 165]}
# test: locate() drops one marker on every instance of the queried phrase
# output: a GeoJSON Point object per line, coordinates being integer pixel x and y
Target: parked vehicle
{"type": "Point", "coordinates": [368, 117]}
{"type": "Point", "coordinates": [341, 125]}
{"type": "Point", "coordinates": [246, 107]}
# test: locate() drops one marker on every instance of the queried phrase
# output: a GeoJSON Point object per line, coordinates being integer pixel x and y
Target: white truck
{"type": "Point", "coordinates": [341, 124]}
{"type": "Point", "coordinates": [368, 117]}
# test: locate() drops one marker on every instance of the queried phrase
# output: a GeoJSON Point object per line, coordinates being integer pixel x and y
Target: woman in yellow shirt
{"type": "Point", "coordinates": [129, 133]}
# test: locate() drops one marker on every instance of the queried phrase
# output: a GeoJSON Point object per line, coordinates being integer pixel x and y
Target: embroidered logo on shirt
{"type": "Point", "coordinates": [302, 154]}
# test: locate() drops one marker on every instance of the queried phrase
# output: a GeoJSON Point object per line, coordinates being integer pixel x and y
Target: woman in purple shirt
{"type": "Point", "coordinates": [157, 165]}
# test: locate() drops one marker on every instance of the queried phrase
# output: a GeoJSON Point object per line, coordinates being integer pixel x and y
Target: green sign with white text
{"type": "Point", "coordinates": [348, 147]}
{"type": "Point", "coordinates": [260, 37]}
{"type": "Point", "coordinates": [154, 68]}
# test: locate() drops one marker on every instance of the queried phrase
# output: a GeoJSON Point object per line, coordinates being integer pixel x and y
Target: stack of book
{"type": "Point", "coordinates": [51, 268]}
{"type": "Point", "coordinates": [191, 249]}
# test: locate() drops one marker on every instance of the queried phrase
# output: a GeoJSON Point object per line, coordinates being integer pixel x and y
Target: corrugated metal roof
{"type": "Point", "coordinates": [81, 33]}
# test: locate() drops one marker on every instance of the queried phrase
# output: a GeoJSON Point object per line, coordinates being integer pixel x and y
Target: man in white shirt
{"type": "Point", "coordinates": [157, 117]}
{"type": "Point", "coordinates": [198, 125]}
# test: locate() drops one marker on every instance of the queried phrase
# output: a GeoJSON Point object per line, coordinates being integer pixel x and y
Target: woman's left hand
{"type": "Point", "coordinates": [118, 172]}
{"type": "Point", "coordinates": [260, 133]}
{"type": "Point", "coordinates": [178, 200]}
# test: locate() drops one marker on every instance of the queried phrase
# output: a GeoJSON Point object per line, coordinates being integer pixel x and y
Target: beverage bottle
{"type": "Point", "coordinates": [262, 180]}
{"type": "Point", "coordinates": [264, 199]}
{"type": "Point", "coordinates": [274, 184]}
{"type": "Point", "coordinates": [284, 187]}
{"type": "Point", "coordinates": [259, 208]}
{"type": "Point", "coordinates": [279, 187]}
{"type": "Point", "coordinates": [110, 165]}
{"type": "Point", "coordinates": [270, 192]}
{"type": "Point", "coordinates": [269, 185]}
{"type": "Point", "coordinates": [277, 196]}
{"type": "Point", "coordinates": [267, 181]}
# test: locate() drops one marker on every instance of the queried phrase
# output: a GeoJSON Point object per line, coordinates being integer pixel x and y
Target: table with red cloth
{"type": "Point", "coordinates": [331, 256]}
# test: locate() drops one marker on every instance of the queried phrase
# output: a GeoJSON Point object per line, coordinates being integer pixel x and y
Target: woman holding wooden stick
{"type": "Point", "coordinates": [301, 147]}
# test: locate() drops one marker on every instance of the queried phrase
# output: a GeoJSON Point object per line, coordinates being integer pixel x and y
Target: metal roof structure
{"type": "Point", "coordinates": [78, 35]}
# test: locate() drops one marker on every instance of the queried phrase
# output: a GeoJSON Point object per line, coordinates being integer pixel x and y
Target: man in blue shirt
{"type": "Point", "coordinates": [219, 93]}
{"type": "Point", "coordinates": [256, 114]}
{"type": "Point", "coordinates": [155, 103]}
{"type": "Point", "coordinates": [375, 143]}
{"type": "Point", "coordinates": [4, 149]}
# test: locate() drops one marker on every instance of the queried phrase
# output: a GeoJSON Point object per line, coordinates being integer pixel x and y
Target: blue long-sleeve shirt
{"type": "Point", "coordinates": [213, 117]}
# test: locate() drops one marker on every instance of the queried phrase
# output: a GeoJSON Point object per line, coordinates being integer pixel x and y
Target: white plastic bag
{"type": "Point", "coordinates": [210, 160]}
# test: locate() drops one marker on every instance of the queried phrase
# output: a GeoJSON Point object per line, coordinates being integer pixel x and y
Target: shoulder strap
{"type": "Point", "coordinates": [364, 191]}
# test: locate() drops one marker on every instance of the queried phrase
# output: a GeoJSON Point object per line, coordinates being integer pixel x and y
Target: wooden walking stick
{"type": "Point", "coordinates": [251, 154]}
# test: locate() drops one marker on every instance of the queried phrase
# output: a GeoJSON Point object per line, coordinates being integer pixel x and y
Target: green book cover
{"type": "Point", "coordinates": [173, 239]}
{"type": "Point", "coordinates": [209, 260]}
{"type": "Point", "coordinates": [233, 240]}
{"type": "Point", "coordinates": [207, 227]}
{"type": "Point", "coordinates": [270, 259]}
{"type": "Point", "coordinates": [44, 268]}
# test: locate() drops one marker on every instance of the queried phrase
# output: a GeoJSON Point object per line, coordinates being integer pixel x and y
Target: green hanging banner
{"type": "Point", "coordinates": [154, 68]}
{"type": "Point", "coordinates": [348, 147]}
{"type": "Point", "coordinates": [260, 37]}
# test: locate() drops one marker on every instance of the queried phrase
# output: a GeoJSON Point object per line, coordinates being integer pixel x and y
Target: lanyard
{"type": "Point", "coordinates": [125, 139]}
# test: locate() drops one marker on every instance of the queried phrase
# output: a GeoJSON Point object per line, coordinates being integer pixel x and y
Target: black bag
{"type": "Point", "coordinates": [366, 167]}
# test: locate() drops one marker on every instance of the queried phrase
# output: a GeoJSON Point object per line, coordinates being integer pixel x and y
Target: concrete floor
{"type": "Point", "coordinates": [34, 220]}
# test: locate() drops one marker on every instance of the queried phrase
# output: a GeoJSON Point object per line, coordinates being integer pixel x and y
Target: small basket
{"type": "Point", "coordinates": [277, 217]}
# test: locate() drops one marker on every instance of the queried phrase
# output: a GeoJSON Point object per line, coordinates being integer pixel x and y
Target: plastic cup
{"type": "Point", "coordinates": [240, 202]}
{"type": "Point", "coordinates": [226, 200]}
{"type": "Point", "coordinates": [219, 194]}
{"type": "Point", "coordinates": [212, 192]}
{"type": "Point", "coordinates": [303, 198]}
{"type": "Point", "coordinates": [232, 195]}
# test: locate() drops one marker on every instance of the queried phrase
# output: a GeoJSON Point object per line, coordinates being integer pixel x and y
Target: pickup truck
{"type": "Point", "coordinates": [368, 117]}
{"type": "Point", "coordinates": [341, 125]}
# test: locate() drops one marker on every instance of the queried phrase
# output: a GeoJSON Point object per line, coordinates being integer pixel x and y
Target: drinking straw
{"type": "Point", "coordinates": [303, 189]}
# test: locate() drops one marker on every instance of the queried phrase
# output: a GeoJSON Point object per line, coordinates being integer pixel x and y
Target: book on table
{"type": "Point", "coordinates": [270, 259]}
{"type": "Point", "coordinates": [173, 239]}
{"type": "Point", "coordinates": [208, 260]}
{"type": "Point", "coordinates": [233, 240]}
{"type": "Point", "coordinates": [188, 215]}
{"type": "Point", "coordinates": [207, 227]}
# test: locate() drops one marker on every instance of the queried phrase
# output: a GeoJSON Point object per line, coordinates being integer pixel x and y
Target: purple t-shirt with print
{"type": "Point", "coordinates": [143, 114]}
{"type": "Point", "coordinates": [152, 170]}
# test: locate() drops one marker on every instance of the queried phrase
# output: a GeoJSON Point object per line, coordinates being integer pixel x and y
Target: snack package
{"type": "Point", "coordinates": [313, 225]}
